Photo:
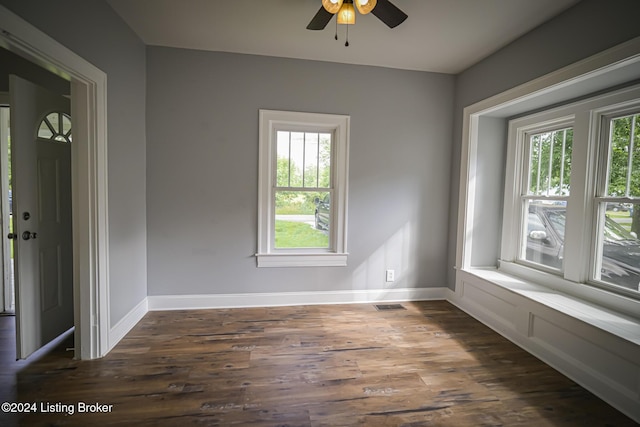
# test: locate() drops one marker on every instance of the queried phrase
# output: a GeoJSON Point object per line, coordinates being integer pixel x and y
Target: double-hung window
{"type": "Point", "coordinates": [545, 192]}
{"type": "Point", "coordinates": [617, 201]}
{"type": "Point", "coordinates": [302, 201]}
{"type": "Point", "coordinates": [572, 194]}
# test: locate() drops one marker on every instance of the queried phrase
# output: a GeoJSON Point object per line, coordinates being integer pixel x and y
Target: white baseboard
{"type": "Point", "coordinates": [131, 319]}
{"type": "Point", "coordinates": [186, 302]}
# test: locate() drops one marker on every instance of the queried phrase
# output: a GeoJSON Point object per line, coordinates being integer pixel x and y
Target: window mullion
{"type": "Point", "coordinates": [579, 233]}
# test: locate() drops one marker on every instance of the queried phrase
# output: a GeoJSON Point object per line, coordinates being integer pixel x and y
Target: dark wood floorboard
{"type": "Point", "coordinates": [334, 365]}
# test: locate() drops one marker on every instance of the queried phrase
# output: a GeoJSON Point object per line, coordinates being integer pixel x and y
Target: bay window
{"type": "Point", "coordinates": [572, 193]}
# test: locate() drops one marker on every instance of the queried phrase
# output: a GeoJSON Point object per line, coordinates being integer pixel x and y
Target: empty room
{"type": "Point", "coordinates": [320, 212]}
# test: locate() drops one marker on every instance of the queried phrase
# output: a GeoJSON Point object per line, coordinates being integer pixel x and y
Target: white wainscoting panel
{"type": "Point", "coordinates": [565, 333]}
{"type": "Point", "coordinates": [495, 304]}
{"type": "Point", "coordinates": [582, 351]}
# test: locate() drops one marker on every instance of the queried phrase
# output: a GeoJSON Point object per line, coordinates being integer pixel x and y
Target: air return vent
{"type": "Point", "coordinates": [381, 307]}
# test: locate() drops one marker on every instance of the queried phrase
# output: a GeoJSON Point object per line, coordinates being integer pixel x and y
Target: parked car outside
{"type": "Point", "coordinates": [618, 207]}
{"type": "Point", "coordinates": [620, 253]}
{"type": "Point", "coordinates": [323, 212]}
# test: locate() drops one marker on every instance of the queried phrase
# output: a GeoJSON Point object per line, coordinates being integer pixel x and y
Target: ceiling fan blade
{"type": "Point", "coordinates": [389, 14]}
{"type": "Point", "coordinates": [321, 20]}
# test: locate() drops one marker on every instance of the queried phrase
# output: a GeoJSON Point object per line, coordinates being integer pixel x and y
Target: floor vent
{"type": "Point", "coordinates": [381, 307]}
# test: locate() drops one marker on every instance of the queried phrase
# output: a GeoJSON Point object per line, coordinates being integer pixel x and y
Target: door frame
{"type": "Point", "coordinates": [89, 176]}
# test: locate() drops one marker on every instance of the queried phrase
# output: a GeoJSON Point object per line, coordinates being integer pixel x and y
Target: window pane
{"type": "Point", "coordinates": [619, 247]}
{"type": "Point", "coordinates": [45, 131]}
{"type": "Point", "coordinates": [550, 163]}
{"type": "Point", "coordinates": [55, 127]}
{"type": "Point", "coordinates": [543, 241]}
{"type": "Point", "coordinates": [54, 119]}
{"type": "Point", "coordinates": [324, 161]}
{"type": "Point", "coordinates": [311, 160]}
{"type": "Point", "coordinates": [66, 126]}
{"type": "Point", "coordinates": [624, 157]}
{"type": "Point", "coordinates": [303, 159]}
{"type": "Point", "coordinates": [282, 155]}
{"type": "Point", "coordinates": [302, 219]}
{"type": "Point", "coordinates": [297, 159]}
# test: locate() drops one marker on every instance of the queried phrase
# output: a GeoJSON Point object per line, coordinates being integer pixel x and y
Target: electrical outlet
{"type": "Point", "coordinates": [391, 275]}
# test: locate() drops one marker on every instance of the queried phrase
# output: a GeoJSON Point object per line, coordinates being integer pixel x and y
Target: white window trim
{"type": "Point", "coordinates": [516, 155]}
{"type": "Point", "coordinates": [581, 231]}
{"type": "Point", "coordinates": [339, 125]}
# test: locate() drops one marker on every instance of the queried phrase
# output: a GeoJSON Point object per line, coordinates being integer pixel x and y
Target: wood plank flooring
{"type": "Point", "coordinates": [334, 365]}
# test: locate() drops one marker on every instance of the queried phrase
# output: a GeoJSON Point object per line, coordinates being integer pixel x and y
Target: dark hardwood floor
{"type": "Point", "coordinates": [336, 365]}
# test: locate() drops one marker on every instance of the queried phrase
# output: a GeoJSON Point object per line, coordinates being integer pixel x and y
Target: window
{"type": "Point", "coordinates": [572, 193]}
{"type": "Point", "coordinates": [55, 127]}
{"type": "Point", "coordinates": [617, 259]}
{"type": "Point", "coordinates": [302, 197]}
{"type": "Point", "coordinates": [544, 195]}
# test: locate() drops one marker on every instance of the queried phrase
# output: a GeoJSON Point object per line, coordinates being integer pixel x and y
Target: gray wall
{"type": "Point", "coordinates": [198, 171]}
{"type": "Point", "coordinates": [202, 161]}
{"type": "Point", "coordinates": [589, 27]}
{"type": "Point", "coordinates": [91, 29]}
{"type": "Point", "coordinates": [492, 134]}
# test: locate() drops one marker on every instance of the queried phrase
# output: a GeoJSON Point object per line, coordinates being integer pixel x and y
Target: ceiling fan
{"type": "Point", "coordinates": [384, 10]}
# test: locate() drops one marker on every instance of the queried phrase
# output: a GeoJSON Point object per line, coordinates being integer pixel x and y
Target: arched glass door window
{"type": "Point", "coordinates": [55, 126]}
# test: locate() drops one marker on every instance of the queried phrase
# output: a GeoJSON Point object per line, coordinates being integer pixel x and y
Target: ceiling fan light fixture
{"type": "Point", "coordinates": [332, 6]}
{"type": "Point", "coordinates": [365, 6]}
{"type": "Point", "coordinates": [347, 14]}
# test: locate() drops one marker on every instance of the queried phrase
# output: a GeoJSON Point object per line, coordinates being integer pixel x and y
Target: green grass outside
{"type": "Point", "coordinates": [299, 235]}
{"type": "Point", "coordinates": [617, 216]}
{"type": "Point", "coordinates": [295, 210]}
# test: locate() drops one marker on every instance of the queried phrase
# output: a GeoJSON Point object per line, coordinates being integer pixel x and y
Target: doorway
{"type": "Point", "coordinates": [89, 171]}
{"type": "Point", "coordinates": [35, 184]}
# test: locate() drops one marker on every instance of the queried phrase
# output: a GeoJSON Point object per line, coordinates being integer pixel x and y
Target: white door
{"type": "Point", "coordinates": [41, 173]}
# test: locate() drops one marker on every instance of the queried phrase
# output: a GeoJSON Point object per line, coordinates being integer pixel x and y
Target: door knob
{"type": "Point", "coordinates": [29, 235]}
{"type": "Point", "coordinates": [12, 236]}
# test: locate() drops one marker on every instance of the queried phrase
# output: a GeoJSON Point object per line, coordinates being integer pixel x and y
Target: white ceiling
{"type": "Point", "coordinates": [444, 36]}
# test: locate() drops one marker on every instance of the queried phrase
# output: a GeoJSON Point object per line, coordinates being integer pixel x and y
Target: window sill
{"type": "Point", "coordinates": [608, 319]}
{"type": "Point", "coordinates": [302, 260]}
